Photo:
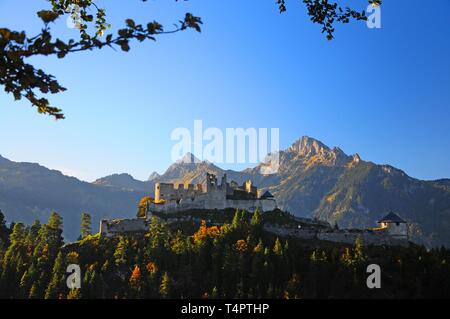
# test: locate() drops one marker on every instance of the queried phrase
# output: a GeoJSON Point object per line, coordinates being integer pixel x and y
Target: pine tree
{"type": "Point", "coordinates": [178, 243]}
{"type": "Point", "coordinates": [346, 258]}
{"type": "Point", "coordinates": [57, 281]}
{"type": "Point", "coordinates": [120, 255]}
{"type": "Point", "coordinates": [34, 294]}
{"type": "Point", "coordinates": [4, 231]}
{"type": "Point", "coordinates": [24, 285]}
{"type": "Point", "coordinates": [358, 251]}
{"type": "Point", "coordinates": [95, 285]}
{"type": "Point", "coordinates": [86, 285]}
{"type": "Point", "coordinates": [34, 230]}
{"type": "Point", "coordinates": [55, 221]}
{"type": "Point", "coordinates": [257, 275]}
{"type": "Point", "coordinates": [14, 261]}
{"type": "Point", "coordinates": [292, 290]}
{"type": "Point", "coordinates": [2, 253]}
{"type": "Point", "coordinates": [358, 256]}
{"type": "Point", "coordinates": [106, 267]}
{"type": "Point", "coordinates": [236, 219]}
{"type": "Point", "coordinates": [48, 245]}
{"type": "Point", "coordinates": [2, 219]}
{"type": "Point", "coordinates": [164, 288]}
{"type": "Point", "coordinates": [277, 248]}
{"type": "Point", "coordinates": [313, 257]}
{"type": "Point", "coordinates": [256, 218]}
{"type": "Point", "coordinates": [214, 293]}
{"type": "Point", "coordinates": [18, 234]}
{"type": "Point", "coordinates": [86, 225]}
{"type": "Point", "coordinates": [51, 234]}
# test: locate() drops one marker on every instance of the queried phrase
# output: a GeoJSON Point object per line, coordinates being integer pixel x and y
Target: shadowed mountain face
{"type": "Point", "coordinates": [313, 181]}
{"type": "Point", "coordinates": [30, 191]}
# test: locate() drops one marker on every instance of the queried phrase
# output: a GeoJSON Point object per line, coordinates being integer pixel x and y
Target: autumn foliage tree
{"type": "Point", "coordinates": [86, 225]}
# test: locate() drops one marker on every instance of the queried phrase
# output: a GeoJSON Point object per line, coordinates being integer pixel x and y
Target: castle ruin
{"type": "Point", "coordinates": [210, 195]}
{"type": "Point", "coordinates": [207, 196]}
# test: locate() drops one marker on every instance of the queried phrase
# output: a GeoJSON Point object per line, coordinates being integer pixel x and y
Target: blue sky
{"type": "Point", "coordinates": [383, 93]}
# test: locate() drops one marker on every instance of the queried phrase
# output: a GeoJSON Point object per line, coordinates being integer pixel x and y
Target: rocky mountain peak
{"type": "Point", "coordinates": [307, 147]}
{"type": "Point", "coordinates": [188, 158]}
{"type": "Point", "coordinates": [184, 169]}
{"type": "Point", "coordinates": [313, 151]}
{"type": "Point", "coordinates": [153, 176]}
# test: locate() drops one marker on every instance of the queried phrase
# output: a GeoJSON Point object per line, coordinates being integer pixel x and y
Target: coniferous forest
{"type": "Point", "coordinates": [233, 260]}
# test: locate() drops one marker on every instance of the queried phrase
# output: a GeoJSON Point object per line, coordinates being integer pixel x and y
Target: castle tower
{"type": "Point", "coordinates": [224, 179]}
{"type": "Point", "coordinates": [208, 185]}
{"type": "Point", "coordinates": [157, 192]}
{"type": "Point", "coordinates": [214, 181]}
{"type": "Point", "coordinates": [224, 185]}
{"type": "Point", "coordinates": [394, 225]}
{"type": "Point", "coordinates": [248, 186]}
{"type": "Point", "coordinates": [164, 191]}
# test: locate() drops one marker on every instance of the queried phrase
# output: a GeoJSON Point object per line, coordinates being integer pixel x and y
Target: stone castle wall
{"type": "Point", "coordinates": [367, 237]}
{"type": "Point", "coordinates": [111, 228]}
{"type": "Point", "coordinates": [168, 192]}
{"type": "Point", "coordinates": [214, 199]}
{"type": "Point", "coordinates": [377, 238]}
{"type": "Point", "coordinates": [291, 232]}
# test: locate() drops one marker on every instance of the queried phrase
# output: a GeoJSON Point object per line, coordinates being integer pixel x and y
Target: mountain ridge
{"type": "Point", "coordinates": [29, 191]}
{"type": "Point", "coordinates": [313, 180]}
